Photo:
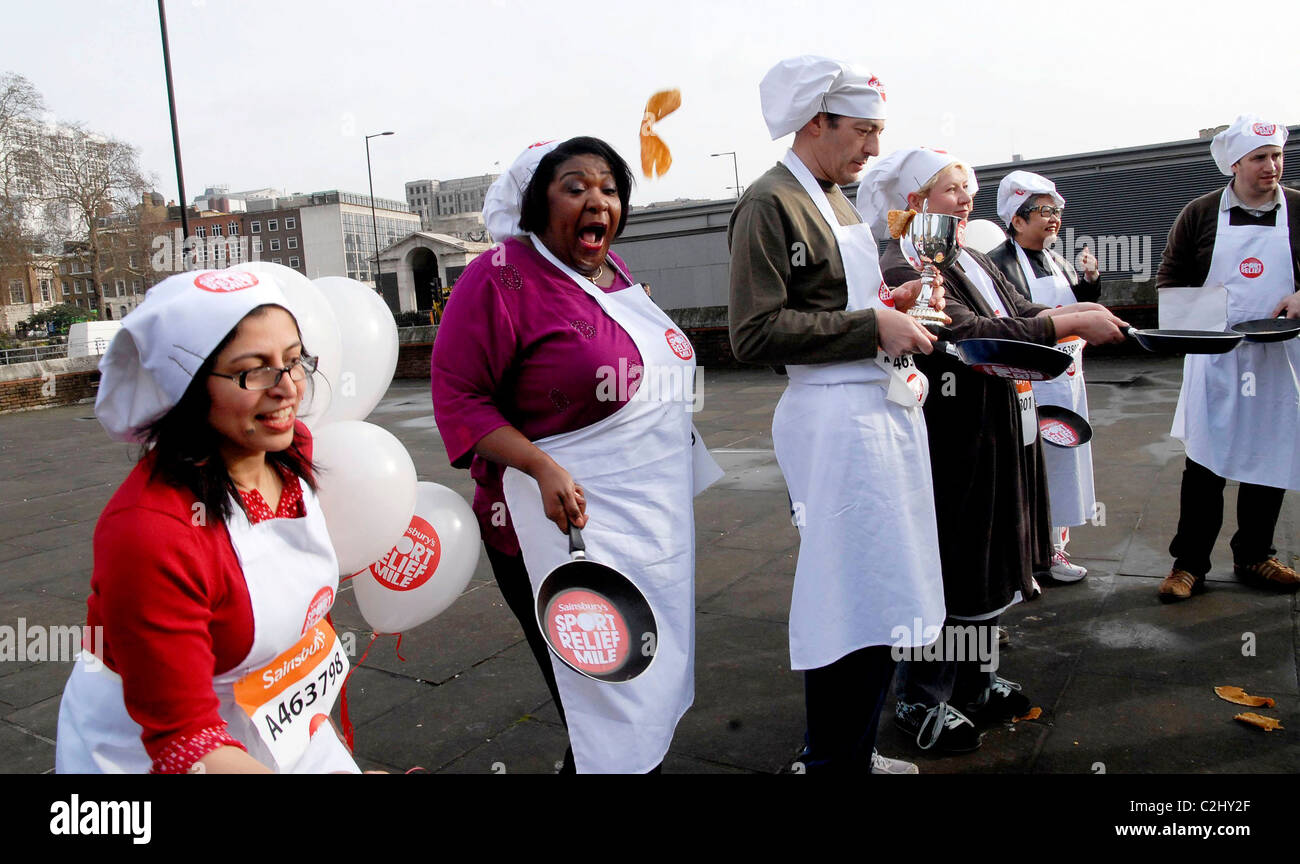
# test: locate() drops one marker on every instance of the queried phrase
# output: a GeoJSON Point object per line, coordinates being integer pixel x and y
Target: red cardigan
{"type": "Point", "coordinates": [174, 607]}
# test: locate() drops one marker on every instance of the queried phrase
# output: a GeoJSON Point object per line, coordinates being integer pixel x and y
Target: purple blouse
{"type": "Point", "coordinates": [520, 345]}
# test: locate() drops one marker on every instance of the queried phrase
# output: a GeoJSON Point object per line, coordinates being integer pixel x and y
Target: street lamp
{"type": "Point", "coordinates": [735, 169]}
{"type": "Point", "coordinates": [374, 220]}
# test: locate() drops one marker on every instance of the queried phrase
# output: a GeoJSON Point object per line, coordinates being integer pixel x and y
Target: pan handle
{"type": "Point", "coordinates": [946, 347]}
{"type": "Point", "coordinates": [577, 548]}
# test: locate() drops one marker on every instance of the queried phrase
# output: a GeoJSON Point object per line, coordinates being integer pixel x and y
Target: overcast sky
{"type": "Point", "coordinates": [280, 92]}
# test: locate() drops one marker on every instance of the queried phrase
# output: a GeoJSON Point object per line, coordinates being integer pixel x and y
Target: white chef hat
{"type": "Point", "coordinates": [1248, 132]}
{"type": "Point", "coordinates": [1020, 187]}
{"type": "Point", "coordinates": [163, 342]}
{"type": "Point", "coordinates": [795, 90]}
{"type": "Point", "coordinates": [889, 181]}
{"type": "Point", "coordinates": [504, 201]}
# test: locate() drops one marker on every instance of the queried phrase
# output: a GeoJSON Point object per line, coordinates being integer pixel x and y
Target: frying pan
{"type": "Point", "coordinates": [1008, 358]}
{"type": "Point", "coordinates": [1185, 341]}
{"type": "Point", "coordinates": [1269, 329]}
{"type": "Point", "coordinates": [595, 619]}
{"type": "Point", "coordinates": [1061, 427]}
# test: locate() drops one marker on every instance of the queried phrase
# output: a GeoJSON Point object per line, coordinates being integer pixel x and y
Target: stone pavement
{"type": "Point", "coordinates": [1125, 683]}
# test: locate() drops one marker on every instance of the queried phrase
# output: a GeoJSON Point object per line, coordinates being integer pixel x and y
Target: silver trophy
{"type": "Point", "coordinates": [938, 239]}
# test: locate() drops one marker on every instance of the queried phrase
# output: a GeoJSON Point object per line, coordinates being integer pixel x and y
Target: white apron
{"type": "Point", "coordinates": [1024, 389]}
{"type": "Point", "coordinates": [1248, 438]}
{"type": "Point", "coordinates": [635, 470]}
{"type": "Point", "coordinates": [292, 673]}
{"type": "Point", "coordinates": [1069, 470]}
{"type": "Point", "coordinates": [857, 464]}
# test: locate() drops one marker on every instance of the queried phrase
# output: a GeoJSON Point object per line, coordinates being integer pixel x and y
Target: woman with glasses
{"type": "Point", "coordinates": [213, 570]}
{"type": "Point", "coordinates": [1032, 209]}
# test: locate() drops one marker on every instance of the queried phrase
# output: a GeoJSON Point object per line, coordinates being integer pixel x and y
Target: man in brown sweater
{"type": "Point", "coordinates": [1238, 413]}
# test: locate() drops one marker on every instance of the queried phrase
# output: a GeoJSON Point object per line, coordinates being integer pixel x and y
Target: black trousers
{"type": "Point", "coordinates": [844, 701]}
{"type": "Point", "coordinates": [1200, 517]}
{"type": "Point", "coordinates": [948, 679]}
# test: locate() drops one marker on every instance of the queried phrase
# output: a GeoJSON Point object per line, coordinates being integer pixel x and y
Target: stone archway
{"type": "Point", "coordinates": [424, 274]}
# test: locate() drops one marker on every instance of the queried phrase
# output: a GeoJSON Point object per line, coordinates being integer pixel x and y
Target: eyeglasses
{"type": "Point", "coordinates": [1048, 211]}
{"type": "Point", "coordinates": [266, 377]}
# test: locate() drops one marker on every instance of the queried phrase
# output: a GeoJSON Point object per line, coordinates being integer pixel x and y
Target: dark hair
{"type": "Point", "coordinates": [185, 447]}
{"type": "Point", "coordinates": [832, 120]}
{"type": "Point", "coordinates": [535, 211]}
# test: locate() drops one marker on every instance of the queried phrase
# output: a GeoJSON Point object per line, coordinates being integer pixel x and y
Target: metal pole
{"type": "Point", "coordinates": [735, 169]}
{"type": "Point", "coordinates": [176, 135]}
{"type": "Point", "coordinates": [374, 220]}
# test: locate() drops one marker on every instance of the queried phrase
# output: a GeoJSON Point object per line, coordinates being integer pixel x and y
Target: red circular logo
{"type": "Point", "coordinates": [318, 607]}
{"type": "Point", "coordinates": [1267, 130]}
{"type": "Point", "coordinates": [680, 344]}
{"type": "Point", "coordinates": [410, 563]}
{"type": "Point", "coordinates": [961, 233]}
{"type": "Point", "coordinates": [588, 631]}
{"type": "Point", "coordinates": [225, 281]}
{"type": "Point", "coordinates": [875, 83]}
{"type": "Point", "coordinates": [1057, 432]}
{"type": "Point", "coordinates": [1251, 268]}
{"type": "Point", "coordinates": [886, 296]}
{"type": "Point", "coordinates": [917, 383]}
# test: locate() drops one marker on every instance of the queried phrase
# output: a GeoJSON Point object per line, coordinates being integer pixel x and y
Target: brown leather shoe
{"type": "Point", "coordinates": [1180, 585]}
{"type": "Point", "coordinates": [1272, 572]}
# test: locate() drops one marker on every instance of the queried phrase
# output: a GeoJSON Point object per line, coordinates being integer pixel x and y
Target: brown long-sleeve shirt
{"type": "Point", "coordinates": [788, 289]}
{"type": "Point", "coordinates": [1186, 259]}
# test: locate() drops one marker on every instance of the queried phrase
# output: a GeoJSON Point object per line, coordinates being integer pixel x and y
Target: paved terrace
{"type": "Point", "coordinates": [1122, 680]}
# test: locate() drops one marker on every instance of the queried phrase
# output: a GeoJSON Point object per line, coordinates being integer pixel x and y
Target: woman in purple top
{"type": "Point", "coordinates": [540, 341]}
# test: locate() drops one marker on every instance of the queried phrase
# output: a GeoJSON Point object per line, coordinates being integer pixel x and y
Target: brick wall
{"type": "Point", "coordinates": [47, 389]}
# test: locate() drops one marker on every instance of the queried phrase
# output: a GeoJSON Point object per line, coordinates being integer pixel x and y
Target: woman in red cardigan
{"type": "Point", "coordinates": [213, 570]}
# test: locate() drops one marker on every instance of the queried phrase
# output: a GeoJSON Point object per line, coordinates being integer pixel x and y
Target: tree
{"type": "Point", "coordinates": [62, 316]}
{"type": "Point", "coordinates": [21, 109]}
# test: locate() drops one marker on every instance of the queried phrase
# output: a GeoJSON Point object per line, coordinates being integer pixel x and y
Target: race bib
{"type": "Point", "coordinates": [1028, 413]}
{"type": "Point", "coordinates": [1073, 345]}
{"type": "Point", "coordinates": [908, 386]}
{"type": "Point", "coordinates": [284, 698]}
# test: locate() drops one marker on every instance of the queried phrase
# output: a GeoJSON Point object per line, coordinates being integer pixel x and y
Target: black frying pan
{"type": "Point", "coordinates": [1062, 427]}
{"type": "Point", "coordinates": [1269, 329]}
{"type": "Point", "coordinates": [1185, 341]}
{"type": "Point", "coordinates": [1008, 358]}
{"type": "Point", "coordinates": [595, 619]}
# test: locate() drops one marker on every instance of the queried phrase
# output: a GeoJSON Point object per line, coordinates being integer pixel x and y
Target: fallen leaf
{"type": "Point", "coordinates": [1240, 697]}
{"type": "Point", "coordinates": [1032, 714]}
{"type": "Point", "coordinates": [1268, 724]}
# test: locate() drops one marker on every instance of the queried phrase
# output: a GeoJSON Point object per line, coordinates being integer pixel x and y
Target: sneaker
{"type": "Point", "coordinates": [1063, 571]}
{"type": "Point", "coordinates": [1271, 572]}
{"type": "Point", "coordinates": [1002, 701]}
{"type": "Point", "coordinates": [1180, 585]}
{"type": "Point", "coordinates": [885, 765]}
{"type": "Point", "coordinates": [941, 727]}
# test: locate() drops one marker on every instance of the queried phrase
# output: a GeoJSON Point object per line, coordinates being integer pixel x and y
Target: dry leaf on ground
{"type": "Point", "coordinates": [1032, 714]}
{"type": "Point", "coordinates": [1268, 724]}
{"type": "Point", "coordinates": [1240, 697]}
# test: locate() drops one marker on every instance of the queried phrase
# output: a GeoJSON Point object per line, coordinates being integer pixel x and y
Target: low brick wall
{"type": "Point", "coordinates": [414, 349]}
{"type": "Point", "coordinates": [45, 383]}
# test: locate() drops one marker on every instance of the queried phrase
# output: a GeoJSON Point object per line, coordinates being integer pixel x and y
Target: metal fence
{"type": "Point", "coordinates": [36, 352]}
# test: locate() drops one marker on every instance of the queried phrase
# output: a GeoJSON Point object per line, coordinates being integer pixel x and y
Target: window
{"type": "Point", "coordinates": [120, 285]}
{"type": "Point", "coordinates": [200, 231]}
{"type": "Point", "coordinates": [275, 260]}
{"type": "Point", "coordinates": [121, 312]}
{"type": "Point", "coordinates": [255, 227]}
{"type": "Point", "coordinates": [216, 230]}
{"type": "Point", "coordinates": [272, 224]}
{"type": "Point", "coordinates": [233, 229]}
{"type": "Point", "coordinates": [295, 261]}
{"type": "Point", "coordinates": [90, 287]}
{"type": "Point", "coordinates": [17, 291]}
{"type": "Point", "coordinates": [136, 286]}
{"type": "Point", "coordinates": [76, 286]}
{"type": "Point", "coordinates": [292, 243]}
{"type": "Point", "coordinates": [63, 268]}
{"type": "Point", "coordinates": [130, 262]}
{"type": "Point", "coordinates": [257, 243]}
{"type": "Point", "coordinates": [66, 290]}
{"type": "Point", "coordinates": [275, 244]}
{"type": "Point", "coordinates": [47, 293]}
{"type": "Point", "coordinates": [290, 223]}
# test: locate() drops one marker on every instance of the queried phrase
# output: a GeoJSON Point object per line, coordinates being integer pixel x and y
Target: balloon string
{"type": "Point", "coordinates": [349, 732]}
{"type": "Point", "coordinates": [397, 649]}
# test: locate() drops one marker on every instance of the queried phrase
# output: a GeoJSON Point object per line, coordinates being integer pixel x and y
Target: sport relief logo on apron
{"type": "Point", "coordinates": [1239, 413]}
{"type": "Point", "coordinates": [906, 385]}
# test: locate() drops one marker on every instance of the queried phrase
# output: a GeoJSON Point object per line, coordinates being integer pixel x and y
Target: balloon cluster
{"type": "Point", "coordinates": [412, 546]}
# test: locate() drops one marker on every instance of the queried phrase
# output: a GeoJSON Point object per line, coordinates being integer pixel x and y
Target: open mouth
{"type": "Point", "coordinates": [278, 420]}
{"type": "Point", "coordinates": [592, 236]}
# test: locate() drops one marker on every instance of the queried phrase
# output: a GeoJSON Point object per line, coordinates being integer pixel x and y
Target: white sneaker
{"type": "Point", "coordinates": [1063, 571]}
{"type": "Point", "coordinates": [885, 765]}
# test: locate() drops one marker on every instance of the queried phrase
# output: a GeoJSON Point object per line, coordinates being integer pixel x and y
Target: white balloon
{"type": "Point", "coordinates": [320, 334]}
{"type": "Point", "coordinates": [368, 335]}
{"type": "Point", "coordinates": [366, 486]}
{"type": "Point", "coordinates": [427, 569]}
{"type": "Point", "coordinates": [983, 235]}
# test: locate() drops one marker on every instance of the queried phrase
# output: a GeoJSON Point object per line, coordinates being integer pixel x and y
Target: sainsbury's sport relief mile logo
{"type": "Point", "coordinates": [225, 281]}
{"type": "Point", "coordinates": [410, 563]}
{"type": "Point", "coordinates": [1264, 130]}
{"type": "Point", "coordinates": [1251, 268]}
